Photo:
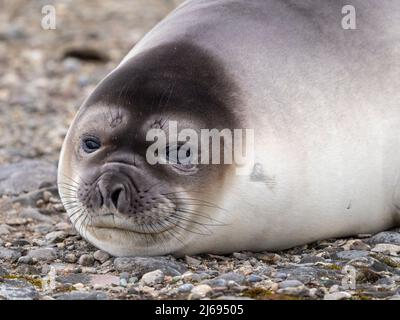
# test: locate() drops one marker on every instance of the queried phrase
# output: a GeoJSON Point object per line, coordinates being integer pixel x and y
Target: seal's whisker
{"type": "Point", "coordinates": [198, 214]}
{"type": "Point", "coordinates": [70, 179]}
{"type": "Point", "coordinates": [174, 235]}
{"type": "Point", "coordinates": [63, 184]}
{"type": "Point", "coordinates": [188, 230]}
{"type": "Point", "coordinates": [178, 214]}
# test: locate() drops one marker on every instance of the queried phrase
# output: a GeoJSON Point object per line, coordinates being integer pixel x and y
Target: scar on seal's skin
{"type": "Point", "coordinates": [258, 175]}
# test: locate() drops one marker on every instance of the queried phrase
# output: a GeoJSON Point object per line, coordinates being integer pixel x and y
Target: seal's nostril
{"type": "Point", "coordinates": [115, 196]}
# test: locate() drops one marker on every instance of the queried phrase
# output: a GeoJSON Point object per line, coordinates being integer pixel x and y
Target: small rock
{"type": "Point", "coordinates": [9, 254]}
{"type": "Point", "coordinates": [281, 275]}
{"type": "Point", "coordinates": [290, 284]}
{"type": "Point", "coordinates": [141, 265]}
{"type": "Point", "coordinates": [391, 249]}
{"type": "Point", "coordinates": [101, 256]}
{"type": "Point", "coordinates": [133, 280]}
{"type": "Point", "coordinates": [270, 258]}
{"type": "Point", "coordinates": [216, 283]}
{"type": "Point", "coordinates": [240, 256]}
{"type": "Point", "coordinates": [33, 213]}
{"type": "Point", "coordinates": [185, 288]}
{"type": "Point", "coordinates": [351, 254]}
{"type": "Point", "coordinates": [26, 260]}
{"type": "Point", "coordinates": [359, 245]}
{"type": "Point", "coordinates": [303, 274]}
{"type": "Point", "coordinates": [104, 280]}
{"type": "Point", "coordinates": [5, 229]}
{"type": "Point", "coordinates": [232, 276]}
{"type": "Point", "coordinates": [70, 258]}
{"type": "Point", "coordinates": [123, 282]}
{"type": "Point", "coordinates": [124, 275]}
{"type": "Point", "coordinates": [334, 288]}
{"type": "Point", "coordinates": [86, 260]}
{"type": "Point", "coordinates": [294, 291]}
{"type": "Point", "coordinates": [3, 272]}
{"type": "Point", "coordinates": [390, 237]}
{"type": "Point", "coordinates": [63, 226]}
{"type": "Point", "coordinates": [200, 292]}
{"type": "Point", "coordinates": [254, 278]}
{"type": "Point", "coordinates": [340, 295]}
{"type": "Point", "coordinates": [82, 295]}
{"type": "Point", "coordinates": [311, 259]}
{"type": "Point", "coordinates": [13, 289]}
{"type": "Point", "coordinates": [20, 243]}
{"type": "Point", "coordinates": [152, 278]}
{"type": "Point", "coordinates": [78, 286]}
{"type": "Point", "coordinates": [192, 261]}
{"type": "Point", "coordinates": [46, 196]}
{"type": "Point", "coordinates": [14, 179]}
{"type": "Point", "coordinates": [55, 236]}
{"type": "Point", "coordinates": [43, 254]}
{"type": "Point", "coordinates": [74, 278]}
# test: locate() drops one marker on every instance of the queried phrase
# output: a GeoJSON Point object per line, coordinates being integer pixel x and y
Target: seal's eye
{"type": "Point", "coordinates": [90, 144]}
{"type": "Point", "coordinates": [181, 157]}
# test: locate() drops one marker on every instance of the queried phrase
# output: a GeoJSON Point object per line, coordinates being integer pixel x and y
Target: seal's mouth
{"type": "Point", "coordinates": [147, 225]}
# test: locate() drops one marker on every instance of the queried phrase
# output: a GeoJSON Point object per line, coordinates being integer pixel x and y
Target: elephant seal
{"type": "Point", "coordinates": [323, 103]}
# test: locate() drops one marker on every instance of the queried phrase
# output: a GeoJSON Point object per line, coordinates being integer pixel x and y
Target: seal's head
{"type": "Point", "coordinates": [115, 198]}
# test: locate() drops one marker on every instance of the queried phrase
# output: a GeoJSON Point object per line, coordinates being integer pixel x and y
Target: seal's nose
{"type": "Point", "coordinates": [113, 194]}
{"type": "Point", "coordinates": [116, 195]}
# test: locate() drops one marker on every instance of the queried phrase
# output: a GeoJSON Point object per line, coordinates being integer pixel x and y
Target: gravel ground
{"type": "Point", "coordinates": [45, 76]}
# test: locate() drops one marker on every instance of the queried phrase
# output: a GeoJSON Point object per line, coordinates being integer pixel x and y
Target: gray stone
{"type": "Point", "coordinates": [185, 288]}
{"type": "Point", "coordinates": [290, 284]}
{"type": "Point", "coordinates": [55, 236]}
{"type": "Point", "coordinates": [86, 260]}
{"type": "Point", "coordinates": [9, 254]}
{"type": "Point", "coordinates": [351, 254]}
{"type": "Point", "coordinates": [232, 276]}
{"type": "Point", "coordinates": [141, 265]}
{"type": "Point", "coordinates": [34, 214]}
{"type": "Point", "coordinates": [254, 278]}
{"type": "Point", "coordinates": [340, 295]}
{"type": "Point", "coordinates": [3, 272]}
{"type": "Point", "coordinates": [152, 278]}
{"type": "Point", "coordinates": [101, 256]}
{"type": "Point", "coordinates": [81, 295]}
{"type": "Point", "coordinates": [217, 282]}
{"type": "Point", "coordinates": [124, 275]}
{"type": "Point", "coordinates": [123, 282]}
{"type": "Point", "coordinates": [43, 254]}
{"type": "Point", "coordinates": [26, 260]}
{"type": "Point", "coordinates": [303, 274]}
{"type": "Point", "coordinates": [26, 176]}
{"type": "Point", "coordinates": [74, 278]}
{"type": "Point", "coordinates": [70, 257]}
{"type": "Point", "coordinates": [192, 261]}
{"type": "Point", "coordinates": [5, 229]}
{"type": "Point", "coordinates": [387, 248]}
{"type": "Point", "coordinates": [20, 243]}
{"type": "Point", "coordinates": [13, 289]}
{"type": "Point", "coordinates": [311, 259]}
{"type": "Point", "coordinates": [294, 291]}
{"type": "Point", "coordinates": [386, 237]}
{"type": "Point", "coordinates": [240, 256]}
{"type": "Point", "coordinates": [200, 291]}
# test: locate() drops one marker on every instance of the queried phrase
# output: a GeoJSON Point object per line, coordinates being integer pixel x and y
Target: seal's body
{"type": "Point", "coordinates": [323, 103]}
